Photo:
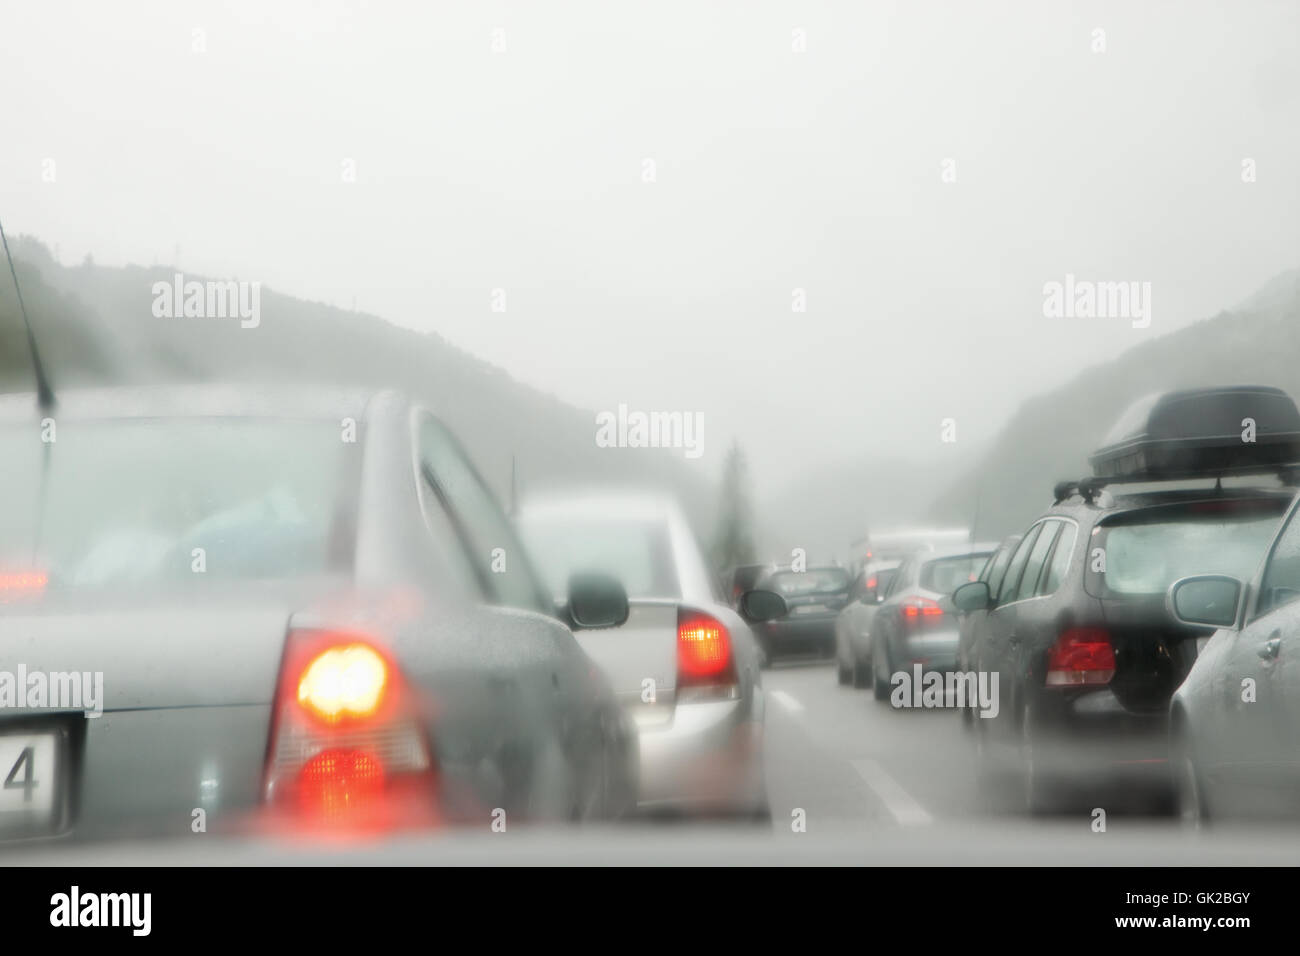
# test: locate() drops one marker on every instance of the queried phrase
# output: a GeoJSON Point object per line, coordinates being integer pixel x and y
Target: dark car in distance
{"type": "Point", "coordinates": [813, 598]}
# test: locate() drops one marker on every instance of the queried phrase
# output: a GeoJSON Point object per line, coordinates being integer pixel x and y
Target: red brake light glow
{"type": "Point", "coordinates": [1081, 656]}
{"type": "Point", "coordinates": [22, 583]}
{"type": "Point", "coordinates": [703, 650]}
{"type": "Point", "coordinates": [348, 744]}
{"type": "Point", "coordinates": [336, 782]}
{"type": "Point", "coordinates": [346, 681]}
{"type": "Point", "coordinates": [921, 607]}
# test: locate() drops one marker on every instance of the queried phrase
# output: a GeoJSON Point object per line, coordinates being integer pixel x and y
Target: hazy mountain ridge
{"type": "Point", "coordinates": [1051, 436]}
{"type": "Point", "coordinates": [95, 325]}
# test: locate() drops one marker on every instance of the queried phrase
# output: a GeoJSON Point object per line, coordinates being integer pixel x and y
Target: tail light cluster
{"type": "Point", "coordinates": [348, 745]}
{"type": "Point", "coordinates": [19, 585]}
{"type": "Point", "coordinates": [704, 654]}
{"type": "Point", "coordinates": [919, 611]}
{"type": "Point", "coordinates": [1081, 656]}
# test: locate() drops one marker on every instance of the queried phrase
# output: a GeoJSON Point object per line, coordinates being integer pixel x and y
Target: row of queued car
{"type": "Point", "coordinates": [304, 608]}
{"type": "Point", "coordinates": [1143, 631]}
{"type": "Point", "coordinates": [901, 591]}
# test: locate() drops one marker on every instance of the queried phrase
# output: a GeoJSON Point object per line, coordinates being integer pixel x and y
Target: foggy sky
{"type": "Point", "coordinates": [775, 170]}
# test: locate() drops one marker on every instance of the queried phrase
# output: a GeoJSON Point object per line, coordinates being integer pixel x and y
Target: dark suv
{"type": "Point", "coordinates": [1077, 633]}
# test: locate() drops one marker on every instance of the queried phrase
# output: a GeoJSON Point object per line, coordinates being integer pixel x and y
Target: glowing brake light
{"type": "Point", "coordinates": [349, 743]}
{"type": "Point", "coordinates": [1081, 656]}
{"type": "Point", "coordinates": [21, 584]}
{"type": "Point", "coordinates": [921, 607]}
{"type": "Point", "coordinates": [347, 681]}
{"type": "Point", "coordinates": [703, 650]}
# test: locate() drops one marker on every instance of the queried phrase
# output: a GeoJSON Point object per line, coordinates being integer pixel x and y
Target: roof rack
{"type": "Point", "coordinates": [1088, 488]}
{"type": "Point", "coordinates": [1202, 433]}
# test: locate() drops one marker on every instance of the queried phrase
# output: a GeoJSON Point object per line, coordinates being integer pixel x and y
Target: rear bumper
{"type": "Point", "coordinates": [796, 634]}
{"type": "Point", "coordinates": [1093, 733]}
{"type": "Point", "coordinates": [934, 651]}
{"type": "Point", "coordinates": [709, 755]}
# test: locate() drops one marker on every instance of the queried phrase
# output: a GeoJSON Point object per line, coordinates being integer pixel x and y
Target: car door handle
{"type": "Point", "coordinates": [1272, 647]}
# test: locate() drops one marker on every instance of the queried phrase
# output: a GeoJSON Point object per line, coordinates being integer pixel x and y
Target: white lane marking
{"type": "Point", "coordinates": [891, 793]}
{"type": "Point", "coordinates": [786, 701]}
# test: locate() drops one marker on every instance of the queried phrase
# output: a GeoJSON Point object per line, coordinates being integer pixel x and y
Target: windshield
{"type": "Point", "coordinates": [637, 552]}
{"type": "Point", "coordinates": [1146, 553]}
{"type": "Point", "coordinates": [139, 503]}
{"type": "Point", "coordinates": [812, 581]}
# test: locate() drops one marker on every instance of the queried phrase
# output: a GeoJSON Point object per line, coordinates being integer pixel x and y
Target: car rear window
{"type": "Point", "coordinates": [638, 552]}
{"type": "Point", "coordinates": [144, 503]}
{"type": "Point", "coordinates": [812, 581]}
{"type": "Point", "coordinates": [945, 575]}
{"type": "Point", "coordinates": [1146, 551]}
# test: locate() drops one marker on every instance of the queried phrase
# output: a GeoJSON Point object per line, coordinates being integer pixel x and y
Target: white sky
{"type": "Point", "coordinates": [776, 170]}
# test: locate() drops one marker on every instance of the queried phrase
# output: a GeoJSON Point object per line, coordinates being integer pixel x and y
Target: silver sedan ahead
{"type": "Point", "coordinates": [685, 665]}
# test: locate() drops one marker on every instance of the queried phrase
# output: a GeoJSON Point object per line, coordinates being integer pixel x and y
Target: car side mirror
{"type": "Point", "coordinates": [762, 605]}
{"type": "Point", "coordinates": [596, 600]}
{"type": "Point", "coordinates": [1205, 600]}
{"type": "Point", "coordinates": [972, 596]}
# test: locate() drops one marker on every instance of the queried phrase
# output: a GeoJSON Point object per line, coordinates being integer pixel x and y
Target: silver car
{"type": "Point", "coordinates": [685, 665]}
{"type": "Point", "coordinates": [235, 608]}
{"type": "Point", "coordinates": [853, 624]}
{"type": "Point", "coordinates": [1235, 720]}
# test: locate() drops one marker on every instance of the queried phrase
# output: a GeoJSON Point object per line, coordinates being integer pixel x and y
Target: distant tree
{"type": "Point", "coordinates": [733, 541]}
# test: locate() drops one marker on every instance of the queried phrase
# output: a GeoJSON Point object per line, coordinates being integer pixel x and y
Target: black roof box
{"type": "Point", "coordinates": [1199, 433]}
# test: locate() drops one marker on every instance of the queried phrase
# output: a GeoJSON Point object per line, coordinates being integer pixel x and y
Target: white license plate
{"type": "Point", "coordinates": [29, 783]}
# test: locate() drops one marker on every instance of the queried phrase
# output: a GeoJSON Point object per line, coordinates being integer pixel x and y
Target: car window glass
{"type": "Point", "coordinates": [945, 575]}
{"type": "Point", "coordinates": [1281, 583]}
{"type": "Point", "coordinates": [1059, 562]}
{"type": "Point", "coordinates": [903, 573]}
{"type": "Point", "coordinates": [1008, 590]}
{"type": "Point", "coordinates": [444, 538]}
{"type": "Point", "coordinates": [885, 579]}
{"type": "Point", "coordinates": [636, 551]}
{"type": "Point", "coordinates": [997, 570]}
{"type": "Point", "coordinates": [1037, 558]}
{"type": "Point", "coordinates": [495, 553]}
{"type": "Point", "coordinates": [1147, 550]}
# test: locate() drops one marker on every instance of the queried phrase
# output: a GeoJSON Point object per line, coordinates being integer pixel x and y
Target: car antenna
{"type": "Point", "coordinates": [44, 394]}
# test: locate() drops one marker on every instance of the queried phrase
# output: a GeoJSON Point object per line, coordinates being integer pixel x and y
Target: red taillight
{"type": "Point", "coordinates": [23, 580]}
{"type": "Point", "coordinates": [344, 682]}
{"type": "Point", "coordinates": [348, 744]}
{"type": "Point", "coordinates": [22, 584]}
{"type": "Point", "coordinates": [871, 582]}
{"type": "Point", "coordinates": [919, 607]}
{"type": "Point", "coordinates": [337, 782]}
{"type": "Point", "coordinates": [1081, 656]}
{"type": "Point", "coordinates": [703, 650]}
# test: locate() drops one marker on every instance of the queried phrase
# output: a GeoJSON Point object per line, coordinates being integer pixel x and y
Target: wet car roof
{"type": "Point", "coordinates": [1110, 503]}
